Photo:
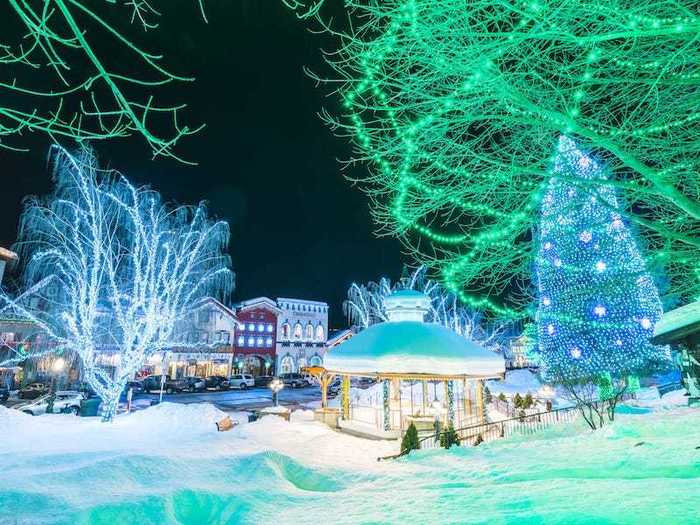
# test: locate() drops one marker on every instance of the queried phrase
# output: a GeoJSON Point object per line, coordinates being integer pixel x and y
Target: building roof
{"type": "Point", "coordinates": [300, 301]}
{"type": "Point", "coordinates": [258, 302]}
{"type": "Point", "coordinates": [221, 306]}
{"type": "Point", "coordinates": [678, 324]}
{"type": "Point", "coordinates": [412, 347]}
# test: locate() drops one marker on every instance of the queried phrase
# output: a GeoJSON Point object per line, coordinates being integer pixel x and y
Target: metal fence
{"type": "Point", "coordinates": [526, 424]}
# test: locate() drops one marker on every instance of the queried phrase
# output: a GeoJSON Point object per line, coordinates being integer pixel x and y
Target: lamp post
{"type": "Point", "coordinates": [276, 386]}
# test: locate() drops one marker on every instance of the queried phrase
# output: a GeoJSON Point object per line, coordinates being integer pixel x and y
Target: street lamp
{"type": "Point", "coordinates": [276, 385]}
{"type": "Point", "coordinates": [57, 367]}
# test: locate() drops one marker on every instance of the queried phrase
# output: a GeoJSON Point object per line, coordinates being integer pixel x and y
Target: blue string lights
{"type": "Point", "coordinates": [597, 303]}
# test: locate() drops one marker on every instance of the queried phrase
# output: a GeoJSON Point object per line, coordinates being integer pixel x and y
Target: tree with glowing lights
{"type": "Point", "coordinates": [111, 272]}
{"type": "Point", "coordinates": [457, 107]}
{"type": "Point", "coordinates": [365, 307]}
{"type": "Point", "coordinates": [597, 304]}
{"type": "Point", "coordinates": [60, 81]}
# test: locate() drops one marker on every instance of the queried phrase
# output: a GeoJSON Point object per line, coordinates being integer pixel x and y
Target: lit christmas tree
{"type": "Point", "coordinates": [597, 302]}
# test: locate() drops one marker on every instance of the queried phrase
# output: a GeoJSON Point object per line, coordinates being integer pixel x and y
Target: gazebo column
{"type": "Point", "coordinates": [466, 401]}
{"type": "Point", "coordinates": [345, 398]}
{"type": "Point", "coordinates": [480, 400]}
{"type": "Point", "coordinates": [386, 398]}
{"type": "Point", "coordinates": [450, 401]}
{"type": "Point", "coordinates": [424, 398]}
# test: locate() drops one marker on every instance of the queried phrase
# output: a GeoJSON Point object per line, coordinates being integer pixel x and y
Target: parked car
{"type": "Point", "coordinates": [64, 402]}
{"type": "Point", "coordinates": [242, 381]}
{"type": "Point", "coordinates": [153, 383]}
{"type": "Point", "coordinates": [135, 386]}
{"type": "Point", "coordinates": [294, 380]}
{"type": "Point", "coordinates": [334, 387]}
{"type": "Point", "coordinates": [216, 383]}
{"type": "Point", "coordinates": [4, 394]}
{"type": "Point", "coordinates": [263, 381]}
{"type": "Point", "coordinates": [33, 391]}
{"type": "Point", "coordinates": [170, 385]}
{"type": "Point", "coordinates": [362, 382]}
{"type": "Point", "coordinates": [195, 384]}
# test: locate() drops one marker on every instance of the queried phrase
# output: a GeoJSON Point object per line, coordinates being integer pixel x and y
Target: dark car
{"type": "Point", "coordinates": [153, 383]}
{"type": "Point", "coordinates": [195, 384]}
{"type": "Point", "coordinates": [33, 390]}
{"type": "Point", "coordinates": [4, 394]}
{"type": "Point", "coordinates": [263, 381]}
{"type": "Point", "coordinates": [334, 387]}
{"type": "Point", "coordinates": [170, 385]}
{"type": "Point", "coordinates": [136, 387]}
{"type": "Point", "coordinates": [294, 380]}
{"type": "Point", "coordinates": [217, 383]}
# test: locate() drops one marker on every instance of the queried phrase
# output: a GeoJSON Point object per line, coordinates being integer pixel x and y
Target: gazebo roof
{"type": "Point", "coordinates": [413, 348]}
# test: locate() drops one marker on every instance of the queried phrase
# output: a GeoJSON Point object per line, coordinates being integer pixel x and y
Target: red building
{"type": "Point", "coordinates": [256, 336]}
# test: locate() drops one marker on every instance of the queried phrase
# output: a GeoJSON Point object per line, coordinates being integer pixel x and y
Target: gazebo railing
{"type": "Point", "coordinates": [523, 425]}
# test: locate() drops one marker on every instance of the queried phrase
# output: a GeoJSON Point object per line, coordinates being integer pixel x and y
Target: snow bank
{"type": "Point", "coordinates": [167, 465]}
{"type": "Point", "coordinates": [150, 428]}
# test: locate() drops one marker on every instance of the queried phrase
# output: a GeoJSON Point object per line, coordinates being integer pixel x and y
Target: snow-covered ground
{"type": "Point", "coordinates": [168, 464]}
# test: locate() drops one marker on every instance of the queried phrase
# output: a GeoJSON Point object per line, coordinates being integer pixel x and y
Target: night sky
{"type": "Point", "coordinates": [267, 164]}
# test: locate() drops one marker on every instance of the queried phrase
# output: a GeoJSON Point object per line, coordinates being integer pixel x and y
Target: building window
{"type": "Point", "coordinates": [260, 341]}
{"type": "Point", "coordinates": [224, 337]}
{"type": "Point", "coordinates": [251, 341]}
{"type": "Point", "coordinates": [309, 331]}
{"type": "Point", "coordinates": [268, 342]}
{"type": "Point", "coordinates": [297, 330]}
{"type": "Point", "coordinates": [287, 365]}
{"type": "Point", "coordinates": [285, 331]}
{"type": "Point", "coordinates": [269, 328]}
{"type": "Point", "coordinates": [261, 327]}
{"type": "Point", "coordinates": [203, 337]}
{"type": "Point", "coordinates": [203, 316]}
{"type": "Point", "coordinates": [251, 327]}
{"type": "Point", "coordinates": [241, 340]}
{"type": "Point", "coordinates": [320, 333]}
{"type": "Point", "coordinates": [315, 361]}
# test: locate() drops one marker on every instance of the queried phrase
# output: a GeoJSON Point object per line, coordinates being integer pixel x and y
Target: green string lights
{"type": "Point", "coordinates": [457, 107]}
{"type": "Point", "coordinates": [60, 81]}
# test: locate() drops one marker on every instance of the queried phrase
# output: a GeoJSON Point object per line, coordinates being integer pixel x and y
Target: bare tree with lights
{"type": "Point", "coordinates": [365, 307]}
{"type": "Point", "coordinates": [111, 271]}
{"type": "Point", "coordinates": [58, 79]}
{"type": "Point", "coordinates": [457, 107]}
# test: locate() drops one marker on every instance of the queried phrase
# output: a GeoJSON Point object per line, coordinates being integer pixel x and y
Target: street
{"type": "Point", "coordinates": [227, 400]}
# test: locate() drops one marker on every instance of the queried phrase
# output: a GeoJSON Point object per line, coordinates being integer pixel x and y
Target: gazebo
{"type": "Point", "coordinates": [424, 372]}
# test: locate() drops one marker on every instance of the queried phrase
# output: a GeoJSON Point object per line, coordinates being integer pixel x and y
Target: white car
{"type": "Point", "coordinates": [242, 381]}
{"type": "Point", "coordinates": [65, 402]}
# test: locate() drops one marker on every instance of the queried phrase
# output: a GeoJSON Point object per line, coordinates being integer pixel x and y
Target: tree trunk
{"type": "Point", "coordinates": [108, 408]}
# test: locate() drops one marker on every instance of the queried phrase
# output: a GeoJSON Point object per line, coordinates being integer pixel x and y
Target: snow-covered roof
{"type": "Point", "coordinates": [412, 347]}
{"type": "Point", "coordinates": [678, 323]}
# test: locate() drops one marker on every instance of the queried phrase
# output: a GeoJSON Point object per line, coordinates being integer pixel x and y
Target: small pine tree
{"type": "Point", "coordinates": [487, 395]}
{"type": "Point", "coordinates": [449, 437]}
{"type": "Point", "coordinates": [528, 401]}
{"type": "Point", "coordinates": [518, 400]}
{"type": "Point", "coordinates": [501, 397]}
{"type": "Point", "coordinates": [410, 440]}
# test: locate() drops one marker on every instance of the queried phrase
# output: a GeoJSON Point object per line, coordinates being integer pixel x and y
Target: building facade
{"type": "Point", "coordinates": [302, 332]}
{"type": "Point", "coordinates": [210, 334]}
{"type": "Point", "coordinates": [256, 335]}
